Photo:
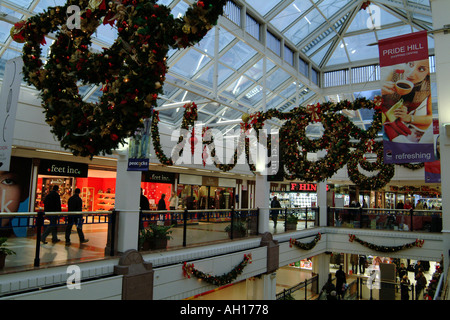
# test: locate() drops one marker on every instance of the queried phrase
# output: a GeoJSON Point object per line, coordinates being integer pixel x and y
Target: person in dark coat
{"type": "Point", "coordinates": [75, 204]}
{"type": "Point", "coordinates": [340, 280]}
{"type": "Point", "coordinates": [421, 283]}
{"type": "Point", "coordinates": [162, 203]}
{"type": "Point", "coordinates": [405, 285]}
{"type": "Point", "coordinates": [362, 264]}
{"type": "Point", "coordinates": [402, 271]}
{"type": "Point", "coordinates": [274, 213]}
{"type": "Point", "coordinates": [52, 203]}
{"type": "Point", "coordinates": [143, 203]}
{"type": "Point", "coordinates": [329, 289]}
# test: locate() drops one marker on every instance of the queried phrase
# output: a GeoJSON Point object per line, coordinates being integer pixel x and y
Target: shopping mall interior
{"type": "Point", "coordinates": [160, 113]}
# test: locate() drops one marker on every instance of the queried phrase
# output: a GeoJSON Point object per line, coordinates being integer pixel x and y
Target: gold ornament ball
{"type": "Point", "coordinates": [245, 117]}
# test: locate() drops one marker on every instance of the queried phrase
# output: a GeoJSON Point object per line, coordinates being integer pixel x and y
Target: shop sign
{"type": "Point", "coordinates": [138, 164]}
{"type": "Point", "coordinates": [63, 168]}
{"type": "Point", "coordinates": [139, 148]}
{"type": "Point", "coordinates": [210, 181]}
{"type": "Point", "coordinates": [156, 176]}
{"type": "Point", "coordinates": [304, 187]}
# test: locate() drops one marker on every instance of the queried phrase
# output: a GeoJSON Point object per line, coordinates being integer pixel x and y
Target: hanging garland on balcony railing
{"type": "Point", "coordinates": [418, 243]}
{"type": "Point", "coordinates": [189, 270]}
{"type": "Point", "coordinates": [305, 246]}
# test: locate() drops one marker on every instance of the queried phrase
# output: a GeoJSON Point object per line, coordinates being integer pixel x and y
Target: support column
{"type": "Point", "coordinates": [128, 184]}
{"type": "Point", "coordinates": [262, 201]}
{"type": "Point", "coordinates": [322, 203]}
{"type": "Point", "coordinates": [442, 48]}
{"type": "Point", "coordinates": [263, 287]}
{"type": "Point", "coordinates": [321, 267]}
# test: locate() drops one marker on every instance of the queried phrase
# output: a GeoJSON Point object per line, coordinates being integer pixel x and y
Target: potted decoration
{"type": "Point", "coordinates": [239, 229]}
{"type": "Point", "coordinates": [4, 252]}
{"type": "Point", "coordinates": [291, 222]}
{"type": "Point", "coordinates": [154, 237]}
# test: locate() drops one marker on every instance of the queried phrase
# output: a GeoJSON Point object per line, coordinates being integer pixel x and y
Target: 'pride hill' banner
{"type": "Point", "coordinates": [406, 92]}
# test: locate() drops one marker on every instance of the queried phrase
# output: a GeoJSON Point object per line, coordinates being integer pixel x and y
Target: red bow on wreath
{"type": "Point", "coordinates": [369, 145]}
{"type": "Point", "coordinates": [314, 111]}
{"type": "Point", "coordinates": [378, 101]}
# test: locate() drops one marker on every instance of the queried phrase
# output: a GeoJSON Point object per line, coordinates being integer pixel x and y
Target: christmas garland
{"type": "Point", "coordinates": [189, 270]}
{"type": "Point", "coordinates": [131, 72]}
{"type": "Point", "coordinates": [418, 243]}
{"type": "Point", "coordinates": [294, 144]}
{"type": "Point", "coordinates": [305, 246]}
{"type": "Point", "coordinates": [413, 166]}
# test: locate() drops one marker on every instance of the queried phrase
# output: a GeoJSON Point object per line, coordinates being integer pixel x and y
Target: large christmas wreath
{"type": "Point", "coordinates": [131, 72]}
{"type": "Point", "coordinates": [377, 181]}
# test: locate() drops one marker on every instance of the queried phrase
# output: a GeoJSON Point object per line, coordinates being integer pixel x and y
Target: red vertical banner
{"type": "Point", "coordinates": [407, 106]}
{"type": "Point", "coordinates": [433, 168]}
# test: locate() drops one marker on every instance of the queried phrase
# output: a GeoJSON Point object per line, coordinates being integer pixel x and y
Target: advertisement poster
{"type": "Point", "coordinates": [139, 149]}
{"type": "Point", "coordinates": [406, 92]}
{"type": "Point", "coordinates": [433, 169]}
{"type": "Point", "coordinates": [9, 96]}
{"type": "Point", "coordinates": [15, 196]}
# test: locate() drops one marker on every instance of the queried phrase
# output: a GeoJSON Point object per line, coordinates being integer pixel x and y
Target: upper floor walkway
{"type": "Point", "coordinates": [205, 238]}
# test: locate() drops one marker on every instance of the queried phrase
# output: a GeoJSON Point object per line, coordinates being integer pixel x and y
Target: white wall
{"type": "Point", "coordinates": [170, 283]}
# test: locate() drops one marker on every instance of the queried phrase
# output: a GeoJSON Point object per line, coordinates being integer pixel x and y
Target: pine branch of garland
{"type": "Point", "coordinates": [305, 246]}
{"type": "Point", "coordinates": [189, 270]}
{"type": "Point", "coordinates": [386, 249]}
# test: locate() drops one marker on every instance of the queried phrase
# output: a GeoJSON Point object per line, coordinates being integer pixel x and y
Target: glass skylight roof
{"type": "Point", "coordinates": [230, 71]}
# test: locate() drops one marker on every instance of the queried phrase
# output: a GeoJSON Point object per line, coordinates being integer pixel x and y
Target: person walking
{"type": "Point", "coordinates": [143, 202]}
{"type": "Point", "coordinates": [405, 288]}
{"type": "Point", "coordinates": [75, 204]}
{"type": "Point", "coordinates": [362, 264]}
{"type": "Point", "coordinates": [329, 289]}
{"type": "Point", "coordinates": [162, 203]}
{"type": "Point", "coordinates": [421, 282]}
{"type": "Point", "coordinates": [274, 213]}
{"type": "Point", "coordinates": [354, 261]}
{"type": "Point", "coordinates": [52, 203]}
{"type": "Point", "coordinates": [340, 281]}
{"type": "Point", "coordinates": [402, 271]}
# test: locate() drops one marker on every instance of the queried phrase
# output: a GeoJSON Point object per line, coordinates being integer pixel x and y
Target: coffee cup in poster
{"type": "Point", "coordinates": [403, 87]}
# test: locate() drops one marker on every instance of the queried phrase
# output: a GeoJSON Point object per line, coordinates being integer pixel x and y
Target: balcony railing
{"type": "Point", "coordinates": [386, 219]}
{"type": "Point", "coordinates": [188, 228]}
{"type": "Point", "coordinates": [193, 227]}
{"type": "Point", "coordinates": [29, 247]}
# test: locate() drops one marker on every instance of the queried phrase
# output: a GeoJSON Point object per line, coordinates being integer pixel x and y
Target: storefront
{"type": "Point", "coordinates": [299, 195]}
{"type": "Point", "coordinates": [429, 196]}
{"type": "Point", "coordinates": [197, 192]}
{"type": "Point", "coordinates": [156, 183]}
{"type": "Point", "coordinates": [97, 185]}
